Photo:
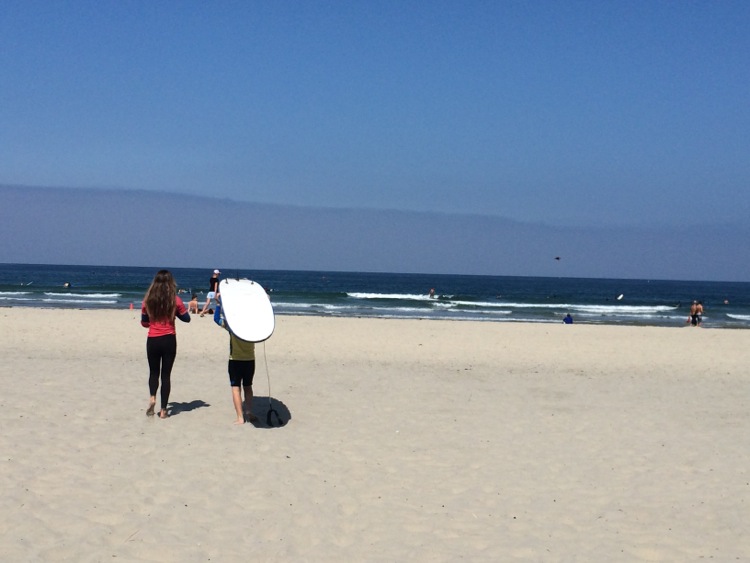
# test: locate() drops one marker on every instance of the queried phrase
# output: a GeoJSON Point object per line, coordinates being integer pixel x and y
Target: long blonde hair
{"type": "Point", "coordinates": [160, 297]}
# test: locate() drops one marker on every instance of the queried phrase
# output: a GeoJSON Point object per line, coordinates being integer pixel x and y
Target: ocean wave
{"type": "Point", "coordinates": [631, 312]}
{"type": "Point", "coordinates": [7, 294]}
{"type": "Point", "coordinates": [447, 302]}
{"type": "Point", "coordinates": [738, 317]}
{"type": "Point", "coordinates": [86, 295]}
{"type": "Point", "coordinates": [490, 313]}
{"type": "Point", "coordinates": [79, 301]}
{"type": "Point", "coordinates": [625, 309]}
{"type": "Point", "coordinates": [282, 304]}
{"type": "Point", "coordinates": [573, 307]}
{"type": "Point", "coordinates": [478, 304]}
{"type": "Point", "coordinates": [392, 296]}
{"type": "Point", "coordinates": [640, 316]}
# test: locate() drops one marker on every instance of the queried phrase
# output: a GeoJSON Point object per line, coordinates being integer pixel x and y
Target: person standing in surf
{"type": "Point", "coordinates": [213, 287]}
{"type": "Point", "coordinates": [160, 307]}
{"type": "Point", "coordinates": [696, 313]}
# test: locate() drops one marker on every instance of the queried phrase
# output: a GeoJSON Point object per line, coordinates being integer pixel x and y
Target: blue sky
{"type": "Point", "coordinates": [569, 113]}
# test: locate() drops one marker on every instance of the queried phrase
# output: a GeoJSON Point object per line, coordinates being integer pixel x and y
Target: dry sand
{"type": "Point", "coordinates": [406, 440]}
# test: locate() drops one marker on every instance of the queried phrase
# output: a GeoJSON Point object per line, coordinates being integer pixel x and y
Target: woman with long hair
{"type": "Point", "coordinates": [160, 307]}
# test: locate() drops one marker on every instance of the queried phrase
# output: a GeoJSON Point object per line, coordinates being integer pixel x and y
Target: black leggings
{"type": "Point", "coordinates": [161, 352]}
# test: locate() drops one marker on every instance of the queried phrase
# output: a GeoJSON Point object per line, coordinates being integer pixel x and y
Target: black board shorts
{"type": "Point", "coordinates": [241, 373]}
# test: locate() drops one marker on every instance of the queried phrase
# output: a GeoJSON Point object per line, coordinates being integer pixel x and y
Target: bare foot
{"type": "Point", "coordinates": [163, 413]}
{"type": "Point", "coordinates": [150, 410]}
{"type": "Point", "coordinates": [239, 421]}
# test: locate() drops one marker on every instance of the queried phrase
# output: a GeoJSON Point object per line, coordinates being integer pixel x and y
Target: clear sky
{"type": "Point", "coordinates": [564, 112]}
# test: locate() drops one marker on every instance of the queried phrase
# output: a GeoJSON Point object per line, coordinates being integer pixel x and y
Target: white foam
{"type": "Point", "coordinates": [738, 317]}
{"type": "Point", "coordinates": [86, 295]}
{"type": "Point", "coordinates": [80, 301]}
{"type": "Point", "coordinates": [412, 296]}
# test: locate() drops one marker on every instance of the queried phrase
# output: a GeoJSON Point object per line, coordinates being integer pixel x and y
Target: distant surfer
{"type": "Point", "coordinates": [213, 287]}
{"type": "Point", "coordinates": [66, 285]}
{"type": "Point", "coordinates": [432, 293]}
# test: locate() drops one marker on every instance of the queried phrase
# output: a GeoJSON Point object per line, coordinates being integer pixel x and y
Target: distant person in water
{"type": "Point", "coordinates": [213, 287]}
{"type": "Point", "coordinates": [432, 293]}
{"type": "Point", "coordinates": [567, 319]}
{"type": "Point", "coordinates": [160, 307]}
{"type": "Point", "coordinates": [696, 313]}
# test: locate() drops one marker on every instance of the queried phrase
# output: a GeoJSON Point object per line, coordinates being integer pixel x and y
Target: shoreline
{"type": "Point", "coordinates": [706, 324]}
{"type": "Point", "coordinates": [403, 439]}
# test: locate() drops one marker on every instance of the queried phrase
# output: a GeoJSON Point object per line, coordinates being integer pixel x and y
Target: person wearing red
{"type": "Point", "coordinates": [160, 307]}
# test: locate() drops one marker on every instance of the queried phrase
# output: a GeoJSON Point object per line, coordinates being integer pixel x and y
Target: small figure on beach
{"type": "Point", "coordinates": [160, 307]}
{"type": "Point", "coordinates": [696, 313]}
{"type": "Point", "coordinates": [241, 370]}
{"type": "Point", "coordinates": [213, 287]}
{"type": "Point", "coordinates": [193, 304]}
{"type": "Point", "coordinates": [567, 319]}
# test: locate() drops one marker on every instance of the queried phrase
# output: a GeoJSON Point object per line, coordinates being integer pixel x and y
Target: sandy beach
{"type": "Point", "coordinates": [404, 440]}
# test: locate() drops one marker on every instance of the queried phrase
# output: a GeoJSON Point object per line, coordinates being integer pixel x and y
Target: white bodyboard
{"type": "Point", "coordinates": [247, 309]}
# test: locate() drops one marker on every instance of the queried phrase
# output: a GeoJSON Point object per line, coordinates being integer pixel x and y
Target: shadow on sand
{"type": "Point", "coordinates": [179, 408]}
{"type": "Point", "coordinates": [273, 415]}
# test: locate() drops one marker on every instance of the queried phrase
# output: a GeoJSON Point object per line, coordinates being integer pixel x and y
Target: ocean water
{"type": "Point", "coordinates": [357, 294]}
